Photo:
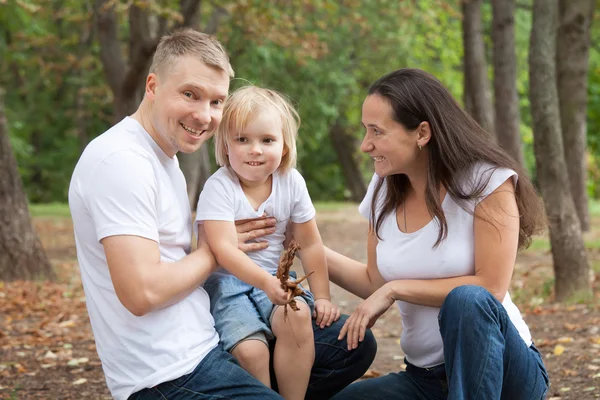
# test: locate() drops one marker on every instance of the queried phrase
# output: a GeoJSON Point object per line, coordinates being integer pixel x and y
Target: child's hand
{"type": "Point", "coordinates": [325, 312]}
{"type": "Point", "coordinates": [272, 287]}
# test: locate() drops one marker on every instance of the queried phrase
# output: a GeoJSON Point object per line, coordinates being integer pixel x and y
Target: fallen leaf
{"type": "Point", "coordinates": [565, 339]}
{"type": "Point", "coordinates": [569, 372]}
{"type": "Point", "coordinates": [50, 354]}
{"type": "Point", "coordinates": [558, 350]}
{"type": "Point", "coordinates": [80, 381]}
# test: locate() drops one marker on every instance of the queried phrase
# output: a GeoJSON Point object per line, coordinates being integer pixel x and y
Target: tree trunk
{"type": "Point", "coordinates": [345, 147]}
{"type": "Point", "coordinates": [196, 168]}
{"type": "Point", "coordinates": [568, 249]}
{"type": "Point", "coordinates": [573, 50]}
{"type": "Point", "coordinates": [475, 67]}
{"type": "Point", "coordinates": [21, 253]}
{"type": "Point", "coordinates": [505, 79]}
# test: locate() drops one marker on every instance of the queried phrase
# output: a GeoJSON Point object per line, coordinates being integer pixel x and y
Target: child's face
{"type": "Point", "coordinates": [256, 153]}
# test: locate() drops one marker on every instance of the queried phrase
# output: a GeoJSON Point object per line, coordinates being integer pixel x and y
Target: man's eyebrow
{"type": "Point", "coordinates": [204, 89]}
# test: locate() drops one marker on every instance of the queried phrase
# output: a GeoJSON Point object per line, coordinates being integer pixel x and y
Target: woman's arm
{"type": "Point", "coordinates": [356, 277]}
{"type": "Point", "coordinates": [222, 238]}
{"type": "Point", "coordinates": [496, 232]}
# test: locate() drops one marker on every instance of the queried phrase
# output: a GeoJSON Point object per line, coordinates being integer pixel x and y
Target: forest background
{"type": "Point", "coordinates": [527, 70]}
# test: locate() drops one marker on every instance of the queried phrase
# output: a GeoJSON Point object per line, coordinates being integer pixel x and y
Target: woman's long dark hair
{"type": "Point", "coordinates": [457, 143]}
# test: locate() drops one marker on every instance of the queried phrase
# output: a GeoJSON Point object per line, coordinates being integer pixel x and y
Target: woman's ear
{"type": "Point", "coordinates": [423, 134]}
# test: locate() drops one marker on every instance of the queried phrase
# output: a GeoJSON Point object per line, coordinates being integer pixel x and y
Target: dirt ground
{"type": "Point", "coordinates": [47, 350]}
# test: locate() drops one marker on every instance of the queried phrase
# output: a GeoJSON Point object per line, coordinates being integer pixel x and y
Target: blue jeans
{"type": "Point", "coordinates": [485, 358]}
{"type": "Point", "coordinates": [219, 376]}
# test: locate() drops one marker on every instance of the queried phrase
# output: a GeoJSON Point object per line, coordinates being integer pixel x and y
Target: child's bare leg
{"type": "Point", "coordinates": [253, 355]}
{"type": "Point", "coordinates": [293, 364]}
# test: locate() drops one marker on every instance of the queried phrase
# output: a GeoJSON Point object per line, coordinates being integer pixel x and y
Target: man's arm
{"type": "Point", "coordinates": [143, 282]}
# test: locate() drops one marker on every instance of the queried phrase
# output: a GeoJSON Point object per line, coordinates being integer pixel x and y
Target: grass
{"type": "Point", "coordinates": [50, 210]}
{"type": "Point", "coordinates": [62, 209]}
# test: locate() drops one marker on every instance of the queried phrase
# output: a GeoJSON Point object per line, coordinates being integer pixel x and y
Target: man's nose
{"type": "Point", "coordinates": [202, 114]}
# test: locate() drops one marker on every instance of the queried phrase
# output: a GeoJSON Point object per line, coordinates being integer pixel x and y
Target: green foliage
{"type": "Point", "coordinates": [323, 54]}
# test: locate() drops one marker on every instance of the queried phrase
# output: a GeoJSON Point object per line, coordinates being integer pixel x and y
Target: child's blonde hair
{"type": "Point", "coordinates": [244, 105]}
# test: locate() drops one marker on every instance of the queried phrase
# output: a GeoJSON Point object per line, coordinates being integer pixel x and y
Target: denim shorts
{"type": "Point", "coordinates": [241, 310]}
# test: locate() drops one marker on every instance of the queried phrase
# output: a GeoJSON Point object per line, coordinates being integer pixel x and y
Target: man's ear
{"type": "Point", "coordinates": [423, 133]}
{"type": "Point", "coordinates": [151, 84]}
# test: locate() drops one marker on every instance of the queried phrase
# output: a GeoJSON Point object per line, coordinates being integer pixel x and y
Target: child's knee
{"type": "Point", "coordinates": [296, 323]}
{"type": "Point", "coordinates": [251, 352]}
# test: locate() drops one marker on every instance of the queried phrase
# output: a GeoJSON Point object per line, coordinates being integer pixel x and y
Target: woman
{"type": "Point", "coordinates": [448, 210]}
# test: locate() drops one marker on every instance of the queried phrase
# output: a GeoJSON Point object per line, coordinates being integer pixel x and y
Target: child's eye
{"type": "Point", "coordinates": [268, 140]}
{"type": "Point", "coordinates": [241, 139]}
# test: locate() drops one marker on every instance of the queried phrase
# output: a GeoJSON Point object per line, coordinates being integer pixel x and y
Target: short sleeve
{"type": "Point", "coordinates": [492, 177]}
{"type": "Point", "coordinates": [217, 200]}
{"type": "Point", "coordinates": [122, 196]}
{"type": "Point", "coordinates": [365, 205]}
{"type": "Point", "coordinates": [302, 206]}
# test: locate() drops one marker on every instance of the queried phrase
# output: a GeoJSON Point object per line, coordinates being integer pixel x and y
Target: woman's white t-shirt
{"type": "Point", "coordinates": [412, 256]}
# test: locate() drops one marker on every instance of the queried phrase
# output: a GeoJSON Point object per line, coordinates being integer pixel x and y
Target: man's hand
{"type": "Point", "coordinates": [250, 229]}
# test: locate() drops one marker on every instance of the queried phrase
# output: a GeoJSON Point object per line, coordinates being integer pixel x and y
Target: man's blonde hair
{"type": "Point", "coordinates": [189, 42]}
{"type": "Point", "coordinates": [242, 107]}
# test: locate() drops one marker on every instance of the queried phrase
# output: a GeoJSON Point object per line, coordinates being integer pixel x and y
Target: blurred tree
{"type": "Point", "coordinates": [571, 269]}
{"type": "Point", "coordinates": [478, 97]}
{"type": "Point", "coordinates": [572, 60]}
{"type": "Point", "coordinates": [21, 253]}
{"type": "Point", "coordinates": [505, 79]}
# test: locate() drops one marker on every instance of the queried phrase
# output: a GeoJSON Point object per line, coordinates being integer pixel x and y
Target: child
{"type": "Point", "coordinates": [256, 148]}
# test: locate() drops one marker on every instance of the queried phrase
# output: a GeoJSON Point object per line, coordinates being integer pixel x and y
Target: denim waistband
{"type": "Point", "coordinates": [438, 371]}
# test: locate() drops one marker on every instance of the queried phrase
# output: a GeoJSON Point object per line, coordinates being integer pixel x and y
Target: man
{"type": "Point", "coordinates": [149, 313]}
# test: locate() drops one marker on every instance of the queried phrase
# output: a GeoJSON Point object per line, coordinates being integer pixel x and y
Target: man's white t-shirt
{"type": "Point", "coordinates": [124, 184]}
{"type": "Point", "coordinates": [412, 256]}
{"type": "Point", "coordinates": [222, 199]}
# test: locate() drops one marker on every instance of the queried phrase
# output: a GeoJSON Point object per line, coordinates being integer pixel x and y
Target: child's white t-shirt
{"type": "Point", "coordinates": [412, 256]}
{"type": "Point", "coordinates": [222, 199]}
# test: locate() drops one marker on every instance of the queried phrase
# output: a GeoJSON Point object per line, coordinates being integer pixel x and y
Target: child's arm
{"type": "Point", "coordinates": [223, 240]}
{"type": "Point", "coordinates": [312, 255]}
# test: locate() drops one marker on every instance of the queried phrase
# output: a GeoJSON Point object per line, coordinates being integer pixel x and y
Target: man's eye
{"type": "Point", "coordinates": [217, 102]}
{"type": "Point", "coordinates": [189, 94]}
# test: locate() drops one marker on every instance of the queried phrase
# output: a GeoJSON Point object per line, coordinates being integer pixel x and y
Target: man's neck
{"type": "Point", "coordinates": [143, 116]}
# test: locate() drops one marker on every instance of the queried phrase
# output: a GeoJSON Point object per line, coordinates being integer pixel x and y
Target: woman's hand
{"type": "Point", "coordinates": [325, 313]}
{"type": "Point", "coordinates": [365, 316]}
{"type": "Point", "coordinates": [250, 229]}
